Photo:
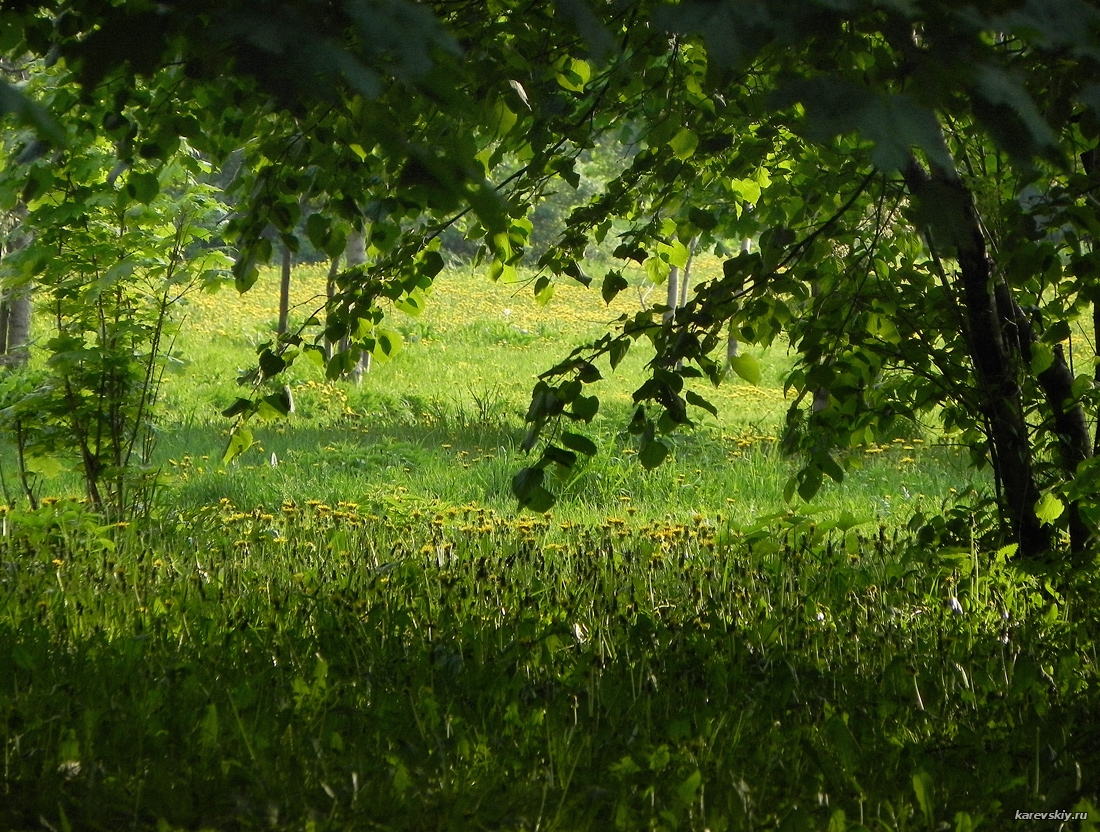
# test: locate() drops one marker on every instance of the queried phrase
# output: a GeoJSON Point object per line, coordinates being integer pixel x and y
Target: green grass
{"type": "Point", "coordinates": [444, 418]}
{"type": "Point", "coordinates": [352, 627]}
{"type": "Point", "coordinates": [409, 666]}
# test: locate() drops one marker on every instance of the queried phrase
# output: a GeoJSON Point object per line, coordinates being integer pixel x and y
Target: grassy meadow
{"type": "Point", "coordinates": [352, 627]}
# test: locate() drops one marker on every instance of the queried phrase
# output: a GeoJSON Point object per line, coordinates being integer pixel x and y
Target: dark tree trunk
{"type": "Point", "coordinates": [997, 366]}
{"type": "Point", "coordinates": [1070, 424]}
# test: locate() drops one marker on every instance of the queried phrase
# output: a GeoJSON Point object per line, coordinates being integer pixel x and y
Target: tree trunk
{"type": "Point", "coordinates": [284, 291]}
{"type": "Point", "coordinates": [355, 254]}
{"type": "Point", "coordinates": [996, 366]}
{"type": "Point", "coordinates": [330, 294]}
{"type": "Point", "coordinates": [732, 347]}
{"type": "Point", "coordinates": [15, 304]}
{"type": "Point", "coordinates": [672, 298]}
{"type": "Point", "coordinates": [685, 278]}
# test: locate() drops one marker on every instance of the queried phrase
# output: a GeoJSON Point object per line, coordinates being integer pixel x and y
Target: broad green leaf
{"type": "Point", "coordinates": [585, 408]}
{"type": "Point", "coordinates": [44, 466]}
{"type": "Point", "coordinates": [656, 269]}
{"type": "Point", "coordinates": [747, 367]}
{"type": "Point", "coordinates": [683, 144]}
{"type": "Point", "coordinates": [697, 400]}
{"type": "Point", "coordinates": [676, 253]}
{"type": "Point", "coordinates": [275, 406]}
{"type": "Point", "coordinates": [1042, 357]}
{"type": "Point", "coordinates": [688, 789]}
{"type": "Point", "coordinates": [318, 230]}
{"type": "Point", "coordinates": [843, 743]}
{"type": "Point", "coordinates": [501, 119]}
{"type": "Point", "coordinates": [143, 187]}
{"type": "Point", "coordinates": [703, 220]}
{"type": "Point", "coordinates": [809, 482]}
{"type": "Point", "coordinates": [617, 351]}
{"type": "Point", "coordinates": [271, 363]}
{"type": "Point", "coordinates": [238, 407]}
{"type": "Point", "coordinates": [387, 344]}
{"type": "Point", "coordinates": [528, 489]}
{"type": "Point", "coordinates": [580, 444]}
{"type": "Point", "coordinates": [652, 453]}
{"type": "Point", "coordinates": [922, 787]}
{"type": "Point", "coordinates": [240, 440]}
{"type": "Point", "coordinates": [613, 283]}
{"type": "Point", "coordinates": [560, 456]}
{"type": "Point", "coordinates": [1049, 508]}
{"type": "Point", "coordinates": [747, 189]}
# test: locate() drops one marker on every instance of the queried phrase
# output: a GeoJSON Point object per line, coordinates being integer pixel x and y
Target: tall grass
{"type": "Point", "coordinates": [406, 665]}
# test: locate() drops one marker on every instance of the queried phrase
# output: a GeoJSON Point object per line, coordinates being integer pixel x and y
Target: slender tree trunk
{"type": "Point", "coordinates": [330, 295]}
{"type": "Point", "coordinates": [821, 394]}
{"type": "Point", "coordinates": [15, 304]}
{"type": "Point", "coordinates": [685, 278]}
{"type": "Point", "coordinates": [672, 298]}
{"type": "Point", "coordinates": [996, 364]}
{"type": "Point", "coordinates": [732, 347]}
{"type": "Point", "coordinates": [284, 290]}
{"type": "Point", "coordinates": [355, 254]}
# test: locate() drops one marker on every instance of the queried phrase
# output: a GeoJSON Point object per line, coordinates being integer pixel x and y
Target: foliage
{"type": "Point", "coordinates": [111, 256]}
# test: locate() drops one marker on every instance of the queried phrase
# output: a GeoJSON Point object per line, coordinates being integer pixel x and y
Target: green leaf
{"type": "Point", "coordinates": [652, 453]}
{"type": "Point", "coordinates": [683, 144]}
{"type": "Point", "coordinates": [431, 264]}
{"type": "Point", "coordinates": [47, 467]}
{"type": "Point", "coordinates": [688, 790]}
{"type": "Point", "coordinates": [238, 407]}
{"type": "Point", "coordinates": [703, 220]}
{"type": "Point", "coordinates": [387, 344]}
{"type": "Point", "coordinates": [544, 290]}
{"type": "Point", "coordinates": [747, 367]}
{"type": "Point", "coordinates": [585, 408]}
{"type": "Point", "coordinates": [922, 787]}
{"type": "Point", "coordinates": [528, 488]}
{"type": "Point", "coordinates": [276, 405]}
{"type": "Point", "coordinates": [208, 727]}
{"type": "Point", "coordinates": [843, 743]}
{"type": "Point", "coordinates": [143, 187]}
{"type": "Point", "coordinates": [613, 283]}
{"type": "Point", "coordinates": [560, 456]}
{"type": "Point", "coordinates": [809, 482]}
{"type": "Point", "coordinates": [580, 444]}
{"type": "Point", "coordinates": [1049, 508]}
{"type": "Point", "coordinates": [747, 189]}
{"type": "Point", "coordinates": [617, 351]}
{"type": "Point", "coordinates": [501, 119]}
{"type": "Point", "coordinates": [240, 440]}
{"type": "Point", "coordinates": [319, 231]}
{"type": "Point", "coordinates": [1042, 357]}
{"type": "Point", "coordinates": [271, 364]}
{"type": "Point", "coordinates": [697, 400]}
